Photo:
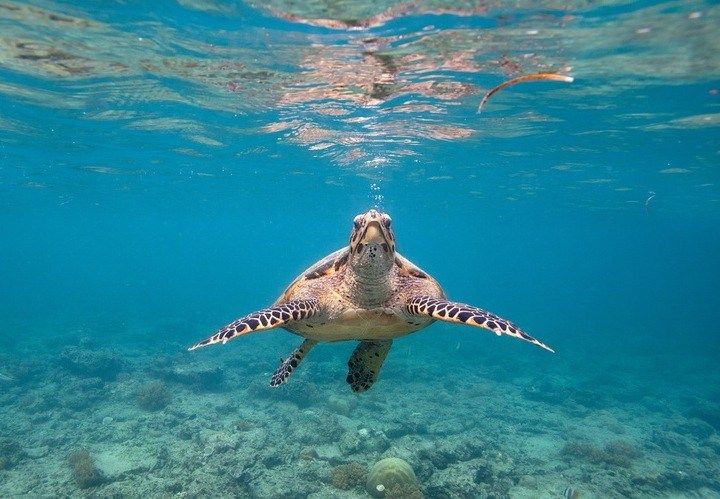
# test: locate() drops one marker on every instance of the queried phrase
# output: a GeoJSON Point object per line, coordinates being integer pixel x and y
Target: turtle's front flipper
{"type": "Point", "coordinates": [448, 311]}
{"type": "Point", "coordinates": [365, 362]}
{"type": "Point", "coordinates": [269, 318]}
{"type": "Point", "coordinates": [287, 366]}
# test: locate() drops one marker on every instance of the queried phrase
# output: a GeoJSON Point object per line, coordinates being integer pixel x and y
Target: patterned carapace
{"type": "Point", "coordinates": [366, 292]}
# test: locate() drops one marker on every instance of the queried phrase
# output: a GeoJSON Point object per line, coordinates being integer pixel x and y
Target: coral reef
{"type": "Point", "coordinates": [342, 405]}
{"type": "Point", "coordinates": [618, 453]}
{"type": "Point", "coordinates": [37, 403]}
{"type": "Point", "coordinates": [101, 363]}
{"type": "Point", "coordinates": [706, 411]}
{"type": "Point", "coordinates": [84, 470]}
{"type": "Point", "coordinates": [331, 432]}
{"type": "Point", "coordinates": [581, 450]}
{"type": "Point", "coordinates": [670, 482]}
{"type": "Point", "coordinates": [206, 376]}
{"type": "Point", "coordinates": [308, 454]}
{"type": "Point", "coordinates": [84, 394]}
{"type": "Point", "coordinates": [363, 440]}
{"type": "Point", "coordinates": [390, 474]}
{"type": "Point", "coordinates": [349, 475]}
{"type": "Point", "coordinates": [153, 396]}
{"type": "Point", "coordinates": [247, 439]}
{"type": "Point", "coordinates": [10, 453]}
{"type": "Point", "coordinates": [445, 453]}
{"type": "Point", "coordinates": [21, 370]}
{"type": "Point", "coordinates": [299, 392]}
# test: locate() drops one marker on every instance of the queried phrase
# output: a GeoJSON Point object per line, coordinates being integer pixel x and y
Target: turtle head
{"type": "Point", "coordinates": [372, 244]}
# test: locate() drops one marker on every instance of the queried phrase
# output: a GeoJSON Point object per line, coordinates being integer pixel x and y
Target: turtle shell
{"type": "Point", "coordinates": [323, 268]}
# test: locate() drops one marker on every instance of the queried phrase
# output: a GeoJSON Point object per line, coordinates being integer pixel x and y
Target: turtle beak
{"type": "Point", "coordinates": [374, 234]}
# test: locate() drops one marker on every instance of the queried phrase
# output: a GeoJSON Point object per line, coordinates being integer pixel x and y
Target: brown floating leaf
{"type": "Point", "coordinates": [524, 78]}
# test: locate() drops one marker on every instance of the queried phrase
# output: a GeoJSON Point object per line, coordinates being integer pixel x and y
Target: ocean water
{"type": "Point", "coordinates": [167, 167]}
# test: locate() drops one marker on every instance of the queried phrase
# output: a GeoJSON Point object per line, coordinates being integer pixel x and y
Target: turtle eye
{"type": "Point", "coordinates": [356, 223]}
{"type": "Point", "coordinates": [387, 222]}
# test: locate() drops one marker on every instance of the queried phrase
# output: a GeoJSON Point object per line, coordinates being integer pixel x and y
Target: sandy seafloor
{"type": "Point", "coordinates": [503, 427]}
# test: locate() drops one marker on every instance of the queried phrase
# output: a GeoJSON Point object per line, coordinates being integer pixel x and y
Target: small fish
{"type": "Point", "coordinates": [571, 493]}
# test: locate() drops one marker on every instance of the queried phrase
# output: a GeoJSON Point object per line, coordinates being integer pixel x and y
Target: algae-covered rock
{"type": "Point", "coordinates": [389, 474]}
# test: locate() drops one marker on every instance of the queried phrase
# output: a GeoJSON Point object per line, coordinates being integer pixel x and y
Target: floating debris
{"type": "Point", "coordinates": [522, 79]}
{"type": "Point", "coordinates": [650, 198]}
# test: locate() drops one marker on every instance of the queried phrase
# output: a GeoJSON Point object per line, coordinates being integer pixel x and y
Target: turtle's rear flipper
{"type": "Point", "coordinates": [287, 366]}
{"type": "Point", "coordinates": [449, 311]}
{"type": "Point", "coordinates": [269, 318]}
{"type": "Point", "coordinates": [365, 362]}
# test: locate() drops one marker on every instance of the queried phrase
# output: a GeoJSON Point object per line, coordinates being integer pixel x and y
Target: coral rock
{"type": "Point", "coordinates": [390, 474]}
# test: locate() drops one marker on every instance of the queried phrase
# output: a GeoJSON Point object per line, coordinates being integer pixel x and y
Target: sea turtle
{"type": "Point", "coordinates": [365, 292]}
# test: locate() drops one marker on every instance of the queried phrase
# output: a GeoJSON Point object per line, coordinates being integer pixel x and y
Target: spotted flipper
{"type": "Point", "coordinates": [287, 366]}
{"type": "Point", "coordinates": [268, 318]}
{"type": "Point", "coordinates": [365, 362]}
{"type": "Point", "coordinates": [448, 311]}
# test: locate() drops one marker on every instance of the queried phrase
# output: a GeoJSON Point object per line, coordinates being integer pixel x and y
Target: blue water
{"type": "Point", "coordinates": [166, 169]}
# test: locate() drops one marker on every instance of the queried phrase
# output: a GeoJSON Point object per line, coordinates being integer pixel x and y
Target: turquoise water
{"type": "Point", "coordinates": [166, 169]}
